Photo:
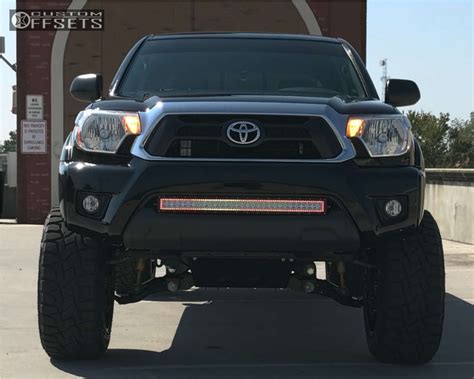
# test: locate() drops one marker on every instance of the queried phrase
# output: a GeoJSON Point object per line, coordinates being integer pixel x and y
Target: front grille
{"type": "Point", "coordinates": [205, 136]}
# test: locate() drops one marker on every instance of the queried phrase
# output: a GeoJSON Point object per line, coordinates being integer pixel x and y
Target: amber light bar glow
{"type": "Point", "coordinates": [242, 205]}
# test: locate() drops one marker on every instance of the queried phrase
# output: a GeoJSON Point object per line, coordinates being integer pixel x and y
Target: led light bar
{"type": "Point", "coordinates": [171, 204]}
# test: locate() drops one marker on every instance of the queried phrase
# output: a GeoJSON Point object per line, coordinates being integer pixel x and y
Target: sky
{"type": "Point", "coordinates": [428, 41]}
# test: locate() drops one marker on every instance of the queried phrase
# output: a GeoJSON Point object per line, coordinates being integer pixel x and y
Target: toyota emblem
{"type": "Point", "coordinates": [243, 132]}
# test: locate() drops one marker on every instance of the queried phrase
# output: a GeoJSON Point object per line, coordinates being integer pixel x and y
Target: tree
{"type": "Point", "coordinates": [461, 143]}
{"type": "Point", "coordinates": [9, 145]}
{"type": "Point", "coordinates": [444, 143]}
{"type": "Point", "coordinates": [433, 134]}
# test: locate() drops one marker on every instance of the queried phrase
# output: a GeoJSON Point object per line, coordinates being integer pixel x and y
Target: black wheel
{"type": "Point", "coordinates": [404, 297]}
{"type": "Point", "coordinates": [126, 275]}
{"type": "Point", "coordinates": [75, 293]}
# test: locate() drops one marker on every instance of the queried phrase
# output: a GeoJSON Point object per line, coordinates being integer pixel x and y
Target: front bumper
{"type": "Point", "coordinates": [132, 220]}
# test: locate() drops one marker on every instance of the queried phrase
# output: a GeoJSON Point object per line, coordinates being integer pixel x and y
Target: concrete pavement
{"type": "Point", "coordinates": [225, 334]}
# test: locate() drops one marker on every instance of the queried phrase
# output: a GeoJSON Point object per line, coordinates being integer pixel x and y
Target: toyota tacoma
{"type": "Point", "coordinates": [240, 160]}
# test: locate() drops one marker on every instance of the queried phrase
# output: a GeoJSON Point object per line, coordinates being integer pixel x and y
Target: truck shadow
{"type": "Point", "coordinates": [276, 334]}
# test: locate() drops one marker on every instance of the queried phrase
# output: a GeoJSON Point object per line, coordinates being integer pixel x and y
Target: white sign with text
{"type": "Point", "coordinates": [34, 107]}
{"type": "Point", "coordinates": [33, 137]}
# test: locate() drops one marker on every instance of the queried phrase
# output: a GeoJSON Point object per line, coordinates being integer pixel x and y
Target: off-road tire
{"type": "Point", "coordinates": [408, 296]}
{"type": "Point", "coordinates": [75, 293]}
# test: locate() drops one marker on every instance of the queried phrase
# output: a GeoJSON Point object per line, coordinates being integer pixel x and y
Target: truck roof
{"type": "Point", "coordinates": [256, 35]}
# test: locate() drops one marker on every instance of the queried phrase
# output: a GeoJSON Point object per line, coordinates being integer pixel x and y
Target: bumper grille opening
{"type": "Point", "coordinates": [266, 150]}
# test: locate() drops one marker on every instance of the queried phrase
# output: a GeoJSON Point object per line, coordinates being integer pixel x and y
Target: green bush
{"type": "Point", "coordinates": [445, 142]}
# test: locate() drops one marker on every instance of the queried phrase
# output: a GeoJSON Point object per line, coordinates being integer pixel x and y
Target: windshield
{"type": "Point", "coordinates": [241, 66]}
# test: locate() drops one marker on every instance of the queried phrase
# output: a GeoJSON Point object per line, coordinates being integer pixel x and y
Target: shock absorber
{"type": "Point", "coordinates": [341, 269]}
{"type": "Point", "coordinates": [140, 269]}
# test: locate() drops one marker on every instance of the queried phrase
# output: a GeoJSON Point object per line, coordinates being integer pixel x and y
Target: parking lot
{"type": "Point", "coordinates": [225, 333]}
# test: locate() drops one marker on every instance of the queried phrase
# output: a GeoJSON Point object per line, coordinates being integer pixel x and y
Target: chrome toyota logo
{"type": "Point", "coordinates": [243, 132]}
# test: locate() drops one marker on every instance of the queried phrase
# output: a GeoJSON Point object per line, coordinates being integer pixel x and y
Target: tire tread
{"type": "Point", "coordinates": [72, 285]}
{"type": "Point", "coordinates": [411, 306]}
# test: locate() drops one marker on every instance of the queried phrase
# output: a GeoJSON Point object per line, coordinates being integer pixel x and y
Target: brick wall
{"type": "Point", "coordinates": [33, 77]}
{"type": "Point", "coordinates": [344, 19]}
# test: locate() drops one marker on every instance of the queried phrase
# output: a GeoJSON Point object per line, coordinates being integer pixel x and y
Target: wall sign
{"type": "Point", "coordinates": [33, 137]}
{"type": "Point", "coordinates": [34, 107]}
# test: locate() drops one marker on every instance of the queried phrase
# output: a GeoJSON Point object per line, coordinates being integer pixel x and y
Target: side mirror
{"type": "Point", "coordinates": [87, 87]}
{"type": "Point", "coordinates": [399, 92]}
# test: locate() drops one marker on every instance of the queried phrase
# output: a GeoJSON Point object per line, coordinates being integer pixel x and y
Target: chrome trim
{"type": "Point", "coordinates": [347, 152]}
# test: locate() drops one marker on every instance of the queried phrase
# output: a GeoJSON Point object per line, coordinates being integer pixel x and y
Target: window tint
{"type": "Point", "coordinates": [192, 66]}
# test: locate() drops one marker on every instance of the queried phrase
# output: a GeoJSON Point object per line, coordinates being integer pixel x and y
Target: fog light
{"type": "Point", "coordinates": [393, 208]}
{"type": "Point", "coordinates": [90, 204]}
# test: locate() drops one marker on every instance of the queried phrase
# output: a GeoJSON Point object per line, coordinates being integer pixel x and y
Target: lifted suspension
{"type": "Point", "coordinates": [185, 281]}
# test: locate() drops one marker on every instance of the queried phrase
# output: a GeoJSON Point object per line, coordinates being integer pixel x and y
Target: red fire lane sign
{"type": "Point", "coordinates": [33, 137]}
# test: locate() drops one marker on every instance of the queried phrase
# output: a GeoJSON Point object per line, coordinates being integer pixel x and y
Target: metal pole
{"type": "Point", "coordinates": [12, 66]}
{"type": "Point", "coordinates": [384, 78]}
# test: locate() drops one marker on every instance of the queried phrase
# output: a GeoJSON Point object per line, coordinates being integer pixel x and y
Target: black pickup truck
{"type": "Point", "coordinates": [240, 160]}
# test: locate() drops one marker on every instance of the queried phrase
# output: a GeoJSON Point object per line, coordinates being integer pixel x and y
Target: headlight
{"type": "Point", "coordinates": [104, 131]}
{"type": "Point", "coordinates": [383, 136]}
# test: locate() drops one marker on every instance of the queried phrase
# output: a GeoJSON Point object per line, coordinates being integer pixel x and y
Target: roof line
{"type": "Point", "coordinates": [268, 35]}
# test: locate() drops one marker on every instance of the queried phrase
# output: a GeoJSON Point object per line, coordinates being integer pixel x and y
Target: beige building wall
{"type": "Point", "coordinates": [452, 205]}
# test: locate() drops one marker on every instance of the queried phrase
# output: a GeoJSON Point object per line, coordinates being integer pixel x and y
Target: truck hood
{"type": "Point", "coordinates": [214, 103]}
